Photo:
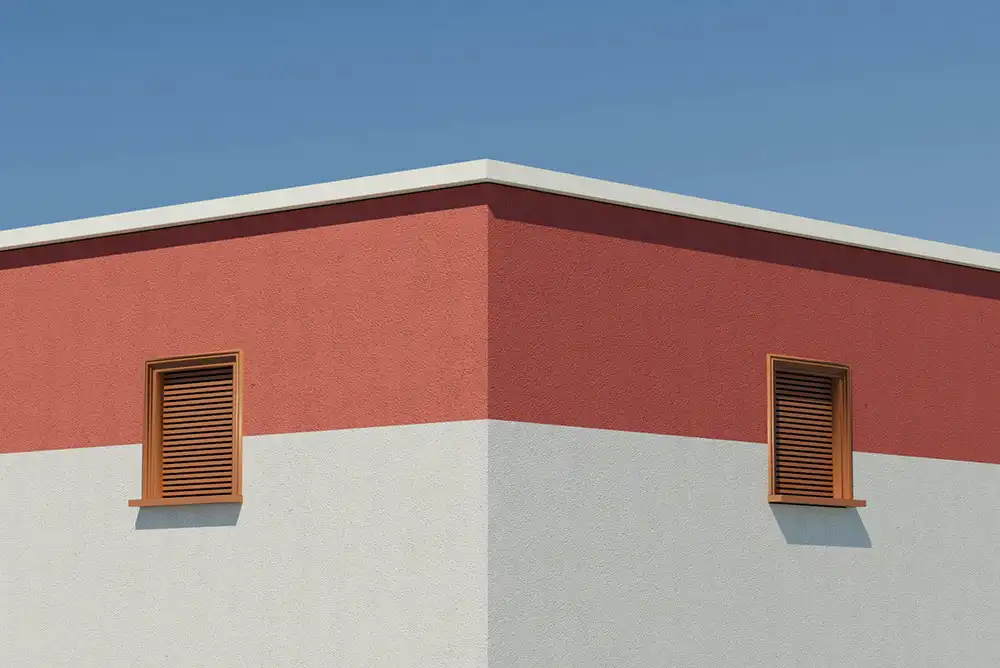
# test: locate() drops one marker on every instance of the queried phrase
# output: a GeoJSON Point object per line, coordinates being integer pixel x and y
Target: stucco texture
{"type": "Point", "coordinates": [638, 535]}
{"type": "Point", "coordinates": [634, 550]}
{"type": "Point", "coordinates": [493, 301]}
{"type": "Point", "coordinates": [362, 314]}
{"type": "Point", "coordinates": [358, 547]}
{"type": "Point", "coordinates": [608, 317]}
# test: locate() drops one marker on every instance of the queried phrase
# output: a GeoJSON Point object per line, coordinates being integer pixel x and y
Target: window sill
{"type": "Point", "coordinates": [816, 501]}
{"type": "Point", "coordinates": [185, 501]}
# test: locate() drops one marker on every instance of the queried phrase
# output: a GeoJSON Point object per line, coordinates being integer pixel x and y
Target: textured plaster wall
{"type": "Point", "coordinates": [622, 549]}
{"type": "Point", "coordinates": [353, 548]}
{"type": "Point", "coordinates": [491, 301]}
{"type": "Point", "coordinates": [606, 548]}
{"type": "Point", "coordinates": [608, 317]}
{"type": "Point", "coordinates": [512, 544]}
{"type": "Point", "coordinates": [355, 315]}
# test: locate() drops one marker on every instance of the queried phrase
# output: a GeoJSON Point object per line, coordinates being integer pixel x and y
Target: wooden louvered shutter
{"type": "Point", "coordinates": [191, 448]}
{"type": "Point", "coordinates": [810, 432]}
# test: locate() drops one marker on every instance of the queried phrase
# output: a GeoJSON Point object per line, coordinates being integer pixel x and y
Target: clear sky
{"type": "Point", "coordinates": [870, 113]}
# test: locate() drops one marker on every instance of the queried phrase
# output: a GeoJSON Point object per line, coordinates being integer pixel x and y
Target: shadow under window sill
{"type": "Point", "coordinates": [188, 516]}
{"type": "Point", "coordinates": [818, 525]}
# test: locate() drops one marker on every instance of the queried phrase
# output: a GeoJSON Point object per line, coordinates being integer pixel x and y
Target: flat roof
{"type": "Point", "coordinates": [492, 171]}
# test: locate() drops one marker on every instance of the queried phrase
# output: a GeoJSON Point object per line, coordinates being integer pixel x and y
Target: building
{"type": "Point", "coordinates": [495, 416]}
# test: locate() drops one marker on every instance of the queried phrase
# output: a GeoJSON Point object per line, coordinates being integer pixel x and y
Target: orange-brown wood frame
{"type": "Point", "coordinates": [843, 450]}
{"type": "Point", "coordinates": [152, 460]}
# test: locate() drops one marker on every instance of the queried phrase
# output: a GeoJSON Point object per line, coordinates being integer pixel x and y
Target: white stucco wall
{"type": "Point", "coordinates": [360, 547]}
{"type": "Point", "coordinates": [623, 550]}
{"type": "Point", "coordinates": [369, 548]}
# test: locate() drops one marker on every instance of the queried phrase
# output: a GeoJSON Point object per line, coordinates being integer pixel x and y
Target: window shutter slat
{"type": "Point", "coordinates": [197, 436]}
{"type": "Point", "coordinates": [192, 430]}
{"type": "Point", "coordinates": [810, 433]}
{"type": "Point", "coordinates": [804, 430]}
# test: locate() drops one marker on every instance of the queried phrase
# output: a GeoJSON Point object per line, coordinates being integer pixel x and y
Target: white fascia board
{"type": "Point", "coordinates": [732, 214]}
{"type": "Point", "coordinates": [491, 171]}
{"type": "Point", "coordinates": [366, 187]}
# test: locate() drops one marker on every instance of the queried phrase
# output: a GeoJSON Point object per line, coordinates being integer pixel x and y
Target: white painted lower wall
{"type": "Point", "coordinates": [623, 550]}
{"type": "Point", "coordinates": [373, 547]}
{"type": "Point", "coordinates": [360, 547]}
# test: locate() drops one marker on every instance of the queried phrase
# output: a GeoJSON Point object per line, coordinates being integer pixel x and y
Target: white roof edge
{"type": "Point", "coordinates": [491, 171]}
{"type": "Point", "coordinates": [366, 187]}
{"type": "Point", "coordinates": [733, 214]}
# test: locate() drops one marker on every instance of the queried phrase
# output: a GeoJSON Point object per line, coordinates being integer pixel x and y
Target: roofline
{"type": "Point", "coordinates": [491, 171]}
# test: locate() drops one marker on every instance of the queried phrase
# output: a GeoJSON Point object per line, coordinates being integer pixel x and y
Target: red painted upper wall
{"type": "Point", "coordinates": [603, 316]}
{"type": "Point", "coordinates": [493, 301]}
{"type": "Point", "coordinates": [351, 315]}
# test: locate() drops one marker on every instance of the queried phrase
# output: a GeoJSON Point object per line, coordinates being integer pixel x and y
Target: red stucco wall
{"type": "Point", "coordinates": [602, 316]}
{"type": "Point", "coordinates": [352, 315]}
{"type": "Point", "coordinates": [493, 301]}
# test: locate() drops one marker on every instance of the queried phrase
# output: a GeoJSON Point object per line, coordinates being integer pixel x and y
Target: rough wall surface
{"type": "Point", "coordinates": [363, 314]}
{"type": "Point", "coordinates": [358, 547]}
{"type": "Point", "coordinates": [633, 550]}
{"type": "Point", "coordinates": [636, 536]}
{"type": "Point", "coordinates": [607, 317]}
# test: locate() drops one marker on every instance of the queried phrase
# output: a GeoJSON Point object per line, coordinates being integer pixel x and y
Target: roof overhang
{"type": "Point", "coordinates": [491, 171]}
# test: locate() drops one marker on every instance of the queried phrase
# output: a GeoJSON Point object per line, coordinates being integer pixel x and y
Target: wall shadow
{"type": "Point", "coordinates": [247, 226]}
{"type": "Point", "coordinates": [182, 517]}
{"type": "Point", "coordinates": [815, 525]}
{"type": "Point", "coordinates": [579, 215]}
{"type": "Point", "coordinates": [560, 211]}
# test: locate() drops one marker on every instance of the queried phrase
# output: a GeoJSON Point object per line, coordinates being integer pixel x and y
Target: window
{"type": "Point", "coordinates": [191, 446]}
{"type": "Point", "coordinates": [809, 432]}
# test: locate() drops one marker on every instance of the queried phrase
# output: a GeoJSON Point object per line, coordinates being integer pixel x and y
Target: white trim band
{"type": "Point", "coordinates": [491, 171]}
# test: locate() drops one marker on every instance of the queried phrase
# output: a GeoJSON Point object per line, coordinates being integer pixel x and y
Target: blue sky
{"type": "Point", "coordinates": [878, 114]}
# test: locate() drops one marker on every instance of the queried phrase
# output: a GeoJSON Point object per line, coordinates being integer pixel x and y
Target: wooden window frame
{"type": "Point", "coordinates": [151, 451]}
{"type": "Point", "coordinates": [843, 448]}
